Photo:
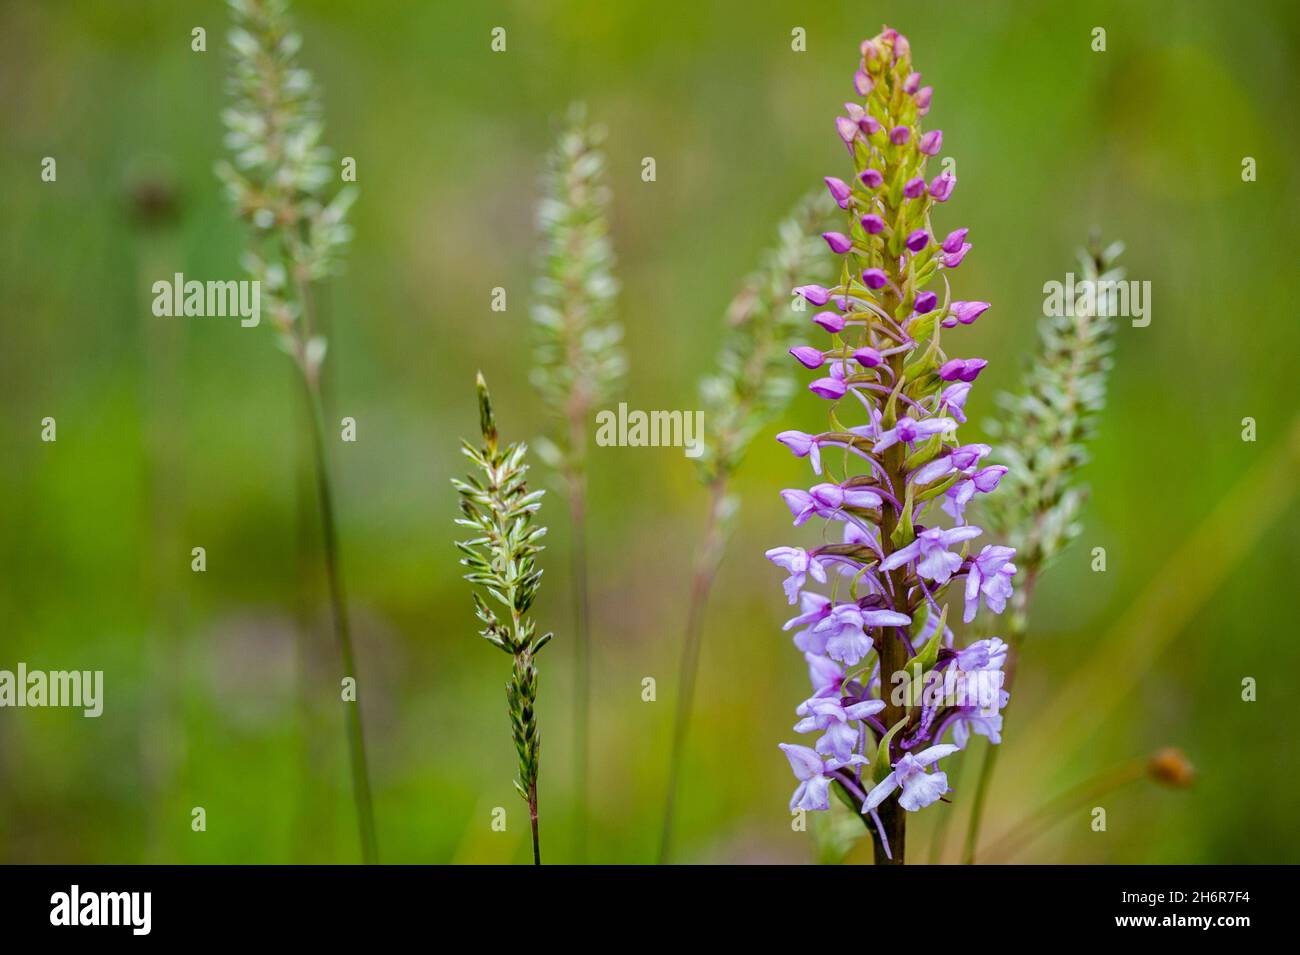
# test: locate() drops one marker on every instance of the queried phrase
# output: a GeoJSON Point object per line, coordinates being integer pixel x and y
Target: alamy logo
{"type": "Point", "coordinates": [75, 907]}
{"type": "Point", "coordinates": [83, 689]}
{"type": "Point", "coordinates": [651, 429]}
{"type": "Point", "coordinates": [214, 299]}
{"type": "Point", "coordinates": [1111, 298]}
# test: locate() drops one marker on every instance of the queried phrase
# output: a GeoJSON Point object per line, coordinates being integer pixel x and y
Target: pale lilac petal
{"type": "Point", "coordinates": [880, 792]}
{"type": "Point", "coordinates": [885, 618]}
{"type": "Point", "coordinates": [901, 556]}
{"type": "Point", "coordinates": [922, 789]}
{"type": "Point", "coordinates": [860, 711]}
{"type": "Point", "coordinates": [803, 760]}
{"type": "Point", "coordinates": [930, 756]}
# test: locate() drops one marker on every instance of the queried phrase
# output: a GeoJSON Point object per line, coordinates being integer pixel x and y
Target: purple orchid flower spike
{"type": "Point", "coordinates": [900, 463]}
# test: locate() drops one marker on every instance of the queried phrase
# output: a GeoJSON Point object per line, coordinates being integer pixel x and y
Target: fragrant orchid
{"type": "Point", "coordinates": [891, 480]}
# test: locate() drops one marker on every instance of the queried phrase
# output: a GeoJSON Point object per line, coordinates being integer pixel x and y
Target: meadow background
{"type": "Point", "coordinates": [220, 687]}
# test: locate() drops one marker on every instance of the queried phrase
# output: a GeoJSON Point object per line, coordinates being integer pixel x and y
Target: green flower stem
{"type": "Point", "coordinates": [582, 662]}
{"type": "Point", "coordinates": [706, 570]}
{"type": "Point", "coordinates": [310, 377]}
{"type": "Point", "coordinates": [278, 180]}
{"type": "Point", "coordinates": [342, 632]}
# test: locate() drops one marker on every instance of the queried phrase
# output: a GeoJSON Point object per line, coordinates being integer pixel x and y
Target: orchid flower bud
{"type": "Point", "coordinates": [914, 188]}
{"type": "Point", "coordinates": [830, 388]}
{"type": "Point", "coordinates": [874, 278]}
{"type": "Point", "coordinates": [900, 134]}
{"type": "Point", "coordinates": [941, 186]}
{"type": "Point", "coordinates": [962, 369]}
{"type": "Point", "coordinates": [964, 312]}
{"type": "Point", "coordinates": [925, 302]}
{"type": "Point", "coordinates": [867, 357]}
{"type": "Point", "coordinates": [953, 259]}
{"type": "Point", "coordinates": [831, 321]}
{"type": "Point", "coordinates": [954, 240]}
{"type": "Point", "coordinates": [872, 223]}
{"type": "Point", "coordinates": [987, 479]}
{"type": "Point", "coordinates": [901, 47]}
{"type": "Point", "coordinates": [871, 178]}
{"type": "Point", "coordinates": [949, 371]}
{"type": "Point", "coordinates": [808, 356]}
{"type": "Point", "coordinates": [918, 240]}
{"type": "Point", "coordinates": [839, 190]}
{"type": "Point", "coordinates": [814, 294]}
{"type": "Point", "coordinates": [839, 242]}
{"type": "Point", "coordinates": [931, 142]}
{"type": "Point", "coordinates": [799, 442]}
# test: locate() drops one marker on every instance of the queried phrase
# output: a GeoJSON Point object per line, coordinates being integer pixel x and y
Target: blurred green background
{"type": "Point", "coordinates": [179, 433]}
